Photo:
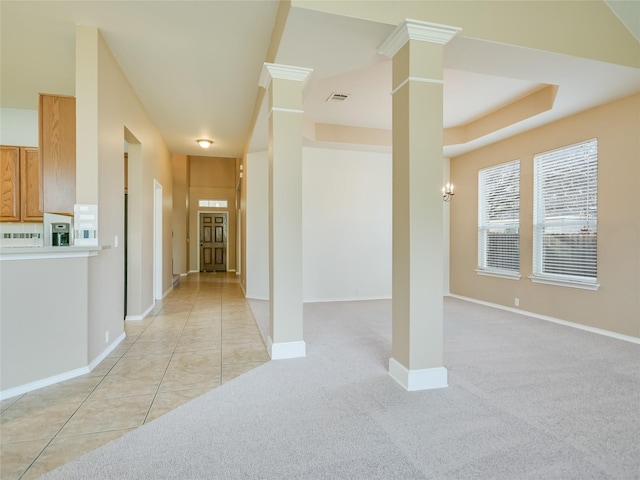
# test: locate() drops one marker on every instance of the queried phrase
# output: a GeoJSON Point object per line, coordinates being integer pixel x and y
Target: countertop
{"type": "Point", "coordinates": [34, 253]}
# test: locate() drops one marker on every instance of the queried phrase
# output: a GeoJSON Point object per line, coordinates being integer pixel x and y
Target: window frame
{"type": "Point", "coordinates": [213, 203]}
{"type": "Point", "coordinates": [565, 223]}
{"type": "Point", "coordinates": [486, 176]}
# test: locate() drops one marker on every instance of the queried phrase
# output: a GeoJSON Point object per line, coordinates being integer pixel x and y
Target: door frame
{"type": "Point", "coordinates": [226, 238]}
{"type": "Point", "coordinates": [157, 240]}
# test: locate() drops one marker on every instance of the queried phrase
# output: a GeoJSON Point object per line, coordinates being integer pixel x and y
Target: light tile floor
{"type": "Point", "coordinates": [201, 335]}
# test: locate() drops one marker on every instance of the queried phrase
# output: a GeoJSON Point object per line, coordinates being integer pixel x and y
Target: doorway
{"type": "Point", "coordinates": [213, 241]}
{"type": "Point", "coordinates": [137, 297]}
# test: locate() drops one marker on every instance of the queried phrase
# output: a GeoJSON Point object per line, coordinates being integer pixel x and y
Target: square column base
{"type": "Point", "coordinates": [284, 350]}
{"type": "Point", "coordinates": [413, 380]}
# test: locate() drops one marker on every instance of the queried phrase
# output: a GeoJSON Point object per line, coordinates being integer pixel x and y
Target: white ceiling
{"type": "Point", "coordinates": [195, 65]}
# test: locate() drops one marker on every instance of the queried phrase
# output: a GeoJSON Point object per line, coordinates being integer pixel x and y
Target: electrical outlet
{"type": "Point", "coordinates": [115, 241]}
{"type": "Point", "coordinates": [517, 302]}
{"type": "Point", "coordinates": [106, 336]}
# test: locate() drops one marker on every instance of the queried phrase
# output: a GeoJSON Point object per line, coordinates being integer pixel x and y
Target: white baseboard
{"type": "Point", "coordinates": [325, 300]}
{"type": "Point", "coordinates": [184, 274]}
{"type": "Point", "coordinates": [198, 271]}
{"type": "Point", "coordinates": [144, 314]}
{"type": "Point", "coordinates": [45, 382]}
{"type": "Point", "coordinates": [579, 326]}
{"type": "Point", "coordinates": [61, 377]}
{"type": "Point", "coordinates": [343, 299]}
{"type": "Point", "coordinates": [414, 380]}
{"type": "Point", "coordinates": [284, 350]}
{"type": "Point", "coordinates": [167, 291]}
{"type": "Point", "coordinates": [105, 353]}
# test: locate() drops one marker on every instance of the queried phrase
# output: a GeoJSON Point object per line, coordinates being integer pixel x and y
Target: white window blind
{"type": "Point", "coordinates": [499, 218]}
{"type": "Point", "coordinates": [565, 213]}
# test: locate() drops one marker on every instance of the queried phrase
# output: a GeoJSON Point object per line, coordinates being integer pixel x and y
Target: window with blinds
{"type": "Point", "coordinates": [499, 219]}
{"type": "Point", "coordinates": [565, 213]}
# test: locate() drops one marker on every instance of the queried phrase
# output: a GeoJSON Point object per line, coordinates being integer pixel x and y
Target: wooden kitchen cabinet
{"type": "Point", "coordinates": [10, 184]}
{"type": "Point", "coordinates": [21, 184]}
{"type": "Point", "coordinates": [30, 185]}
{"type": "Point", "coordinates": [57, 139]}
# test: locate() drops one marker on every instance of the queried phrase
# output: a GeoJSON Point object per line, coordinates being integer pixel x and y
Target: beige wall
{"type": "Point", "coordinates": [616, 305]}
{"type": "Point", "coordinates": [212, 178]}
{"type": "Point", "coordinates": [180, 219]}
{"type": "Point", "coordinates": [48, 337]}
{"type": "Point", "coordinates": [106, 106]}
{"type": "Point", "coordinates": [582, 28]}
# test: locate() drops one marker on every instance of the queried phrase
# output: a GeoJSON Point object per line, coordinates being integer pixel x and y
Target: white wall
{"type": "Point", "coordinates": [346, 225]}
{"type": "Point", "coordinates": [18, 127]}
{"type": "Point", "coordinates": [257, 225]}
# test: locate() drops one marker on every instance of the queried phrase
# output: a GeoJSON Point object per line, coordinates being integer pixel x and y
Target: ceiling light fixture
{"type": "Point", "coordinates": [204, 143]}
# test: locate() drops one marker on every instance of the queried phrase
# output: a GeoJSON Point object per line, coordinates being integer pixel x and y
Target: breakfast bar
{"type": "Point", "coordinates": [43, 315]}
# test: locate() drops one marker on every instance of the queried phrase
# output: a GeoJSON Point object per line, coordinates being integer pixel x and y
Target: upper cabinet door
{"type": "Point", "coordinates": [9, 184]}
{"type": "Point", "coordinates": [31, 185]}
{"type": "Point", "coordinates": [57, 132]}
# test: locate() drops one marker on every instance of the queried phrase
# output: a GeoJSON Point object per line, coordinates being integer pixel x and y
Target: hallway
{"type": "Point", "coordinates": [200, 336]}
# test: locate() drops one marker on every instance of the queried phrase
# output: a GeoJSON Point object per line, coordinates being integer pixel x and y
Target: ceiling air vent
{"type": "Point", "coordinates": [337, 97]}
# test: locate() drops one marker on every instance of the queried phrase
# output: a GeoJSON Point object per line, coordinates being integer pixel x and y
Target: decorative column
{"type": "Point", "coordinates": [284, 89]}
{"type": "Point", "coordinates": [416, 49]}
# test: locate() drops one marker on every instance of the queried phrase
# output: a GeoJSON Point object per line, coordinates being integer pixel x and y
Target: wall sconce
{"type": "Point", "coordinates": [447, 192]}
{"type": "Point", "coordinates": [204, 143]}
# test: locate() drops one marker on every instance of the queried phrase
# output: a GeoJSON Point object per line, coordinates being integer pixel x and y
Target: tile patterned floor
{"type": "Point", "coordinates": [201, 335]}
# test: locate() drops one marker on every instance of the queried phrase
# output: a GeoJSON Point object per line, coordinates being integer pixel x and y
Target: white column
{"type": "Point", "coordinates": [417, 339]}
{"type": "Point", "coordinates": [284, 88]}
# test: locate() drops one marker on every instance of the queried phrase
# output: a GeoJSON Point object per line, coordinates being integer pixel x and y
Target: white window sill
{"type": "Point", "coordinates": [562, 282]}
{"type": "Point", "coordinates": [499, 274]}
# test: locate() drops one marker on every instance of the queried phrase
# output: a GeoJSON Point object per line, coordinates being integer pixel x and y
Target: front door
{"type": "Point", "coordinates": [213, 242]}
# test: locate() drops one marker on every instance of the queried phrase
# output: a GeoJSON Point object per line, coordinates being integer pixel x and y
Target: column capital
{"type": "Point", "coordinates": [285, 72]}
{"type": "Point", "coordinates": [416, 30]}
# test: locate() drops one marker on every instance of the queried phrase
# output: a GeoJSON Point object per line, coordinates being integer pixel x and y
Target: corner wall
{"type": "Point", "coordinates": [616, 305]}
{"type": "Point", "coordinates": [106, 105]}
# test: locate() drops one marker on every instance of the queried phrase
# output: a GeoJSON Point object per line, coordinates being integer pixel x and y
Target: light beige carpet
{"type": "Point", "coordinates": [527, 400]}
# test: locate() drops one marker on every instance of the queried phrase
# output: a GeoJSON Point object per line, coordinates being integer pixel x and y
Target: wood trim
{"type": "Point", "coordinates": [57, 139]}
{"type": "Point", "coordinates": [9, 184]}
{"type": "Point", "coordinates": [31, 185]}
